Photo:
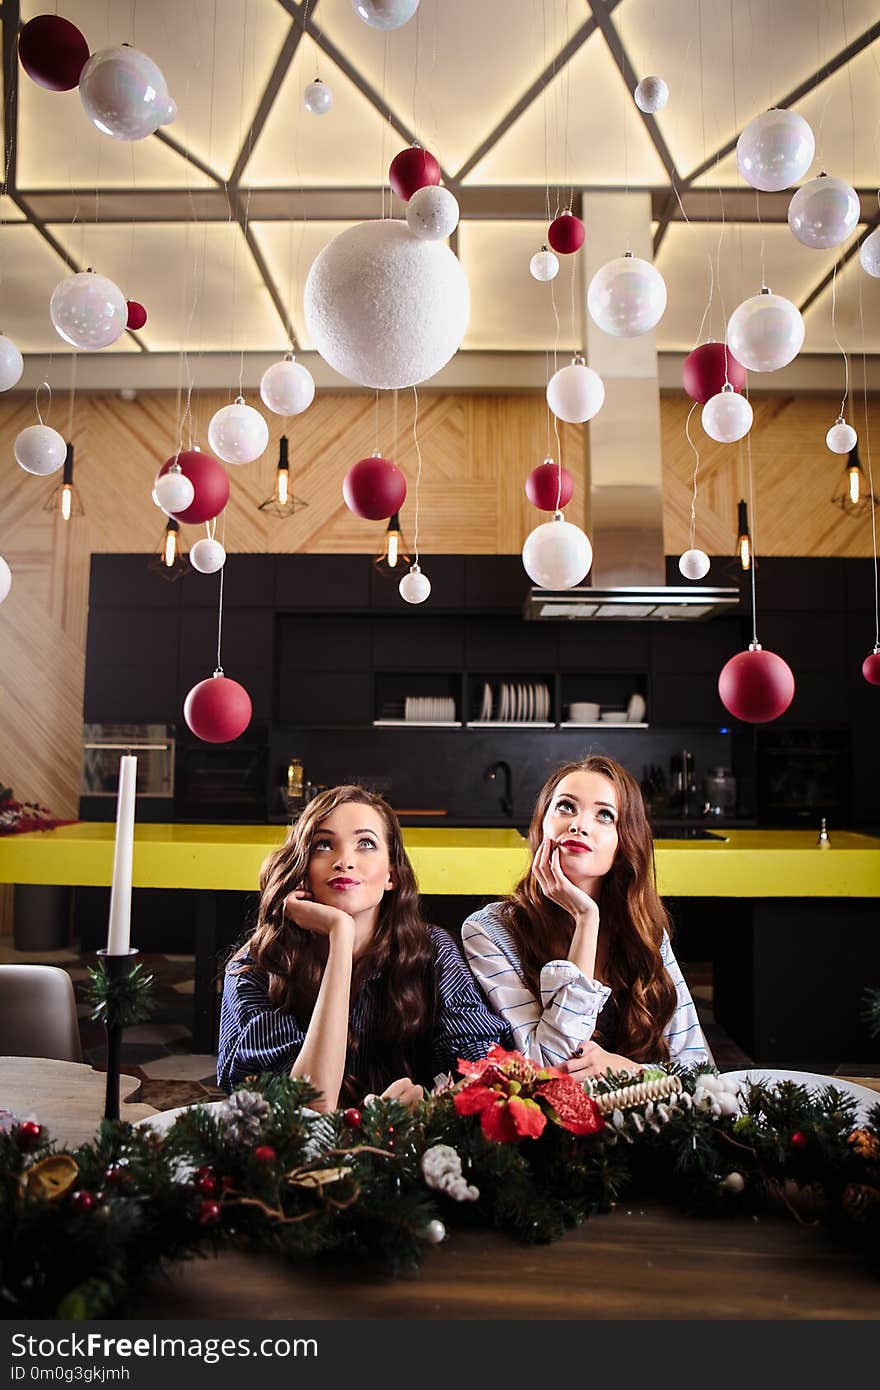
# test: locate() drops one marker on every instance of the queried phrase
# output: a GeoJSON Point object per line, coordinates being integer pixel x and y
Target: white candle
{"type": "Point", "coordinates": [119, 935]}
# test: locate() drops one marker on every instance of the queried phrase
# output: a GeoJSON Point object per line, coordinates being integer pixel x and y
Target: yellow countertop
{"type": "Point", "coordinates": [750, 864]}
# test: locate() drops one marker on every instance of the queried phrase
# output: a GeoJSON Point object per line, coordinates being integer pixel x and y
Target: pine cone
{"type": "Point", "coordinates": [865, 1144]}
{"type": "Point", "coordinates": [246, 1114]}
{"type": "Point", "coordinates": [858, 1198]}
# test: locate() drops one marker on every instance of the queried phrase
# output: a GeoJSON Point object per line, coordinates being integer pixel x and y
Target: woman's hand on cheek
{"type": "Point", "coordinates": [547, 870]}
{"type": "Point", "coordinates": [591, 1060]}
{"type": "Point", "coordinates": [300, 908]}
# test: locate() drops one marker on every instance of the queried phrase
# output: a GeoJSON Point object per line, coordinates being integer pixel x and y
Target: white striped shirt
{"type": "Point", "coordinates": [549, 1031]}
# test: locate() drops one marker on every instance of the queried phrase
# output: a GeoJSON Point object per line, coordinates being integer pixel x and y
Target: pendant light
{"type": "Point", "coordinates": [854, 496]}
{"type": "Point", "coordinates": [170, 559]}
{"type": "Point", "coordinates": [64, 499]}
{"type": "Point", "coordinates": [392, 558]}
{"type": "Point", "coordinates": [282, 502]}
{"type": "Point", "coordinates": [743, 539]}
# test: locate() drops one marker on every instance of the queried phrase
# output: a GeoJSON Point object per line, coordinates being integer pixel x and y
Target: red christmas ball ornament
{"type": "Point", "coordinates": [566, 234]}
{"type": "Point", "coordinates": [799, 1140]}
{"type": "Point", "coordinates": [137, 315]}
{"type": "Point", "coordinates": [53, 52]}
{"type": "Point", "coordinates": [264, 1153]}
{"type": "Point", "coordinates": [871, 668]}
{"type": "Point", "coordinates": [209, 1212]}
{"type": "Point", "coordinates": [756, 686]}
{"type": "Point", "coordinates": [703, 371]}
{"type": "Point", "coordinates": [352, 1118]}
{"type": "Point", "coordinates": [29, 1134]}
{"type": "Point", "coordinates": [116, 1175]}
{"type": "Point", "coordinates": [207, 1185]}
{"type": "Point", "coordinates": [412, 169]}
{"type": "Point", "coordinates": [543, 486]}
{"type": "Point", "coordinates": [211, 483]}
{"type": "Point", "coordinates": [217, 710]}
{"type": "Point", "coordinates": [374, 488]}
{"type": "Point", "coordinates": [82, 1200]}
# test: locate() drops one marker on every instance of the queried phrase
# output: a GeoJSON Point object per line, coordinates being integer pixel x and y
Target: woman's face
{"type": "Point", "coordinates": [582, 820]}
{"type": "Point", "coordinates": [349, 867]}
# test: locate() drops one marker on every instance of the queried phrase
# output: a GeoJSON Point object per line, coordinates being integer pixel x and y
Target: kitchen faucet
{"type": "Point", "coordinates": [506, 798]}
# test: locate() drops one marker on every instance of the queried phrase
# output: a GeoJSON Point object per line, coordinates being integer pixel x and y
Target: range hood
{"type": "Point", "coordinates": [642, 603]}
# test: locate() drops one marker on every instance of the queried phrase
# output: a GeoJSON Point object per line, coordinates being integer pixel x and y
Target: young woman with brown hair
{"type": "Point", "coordinates": [342, 981]}
{"type": "Point", "coordinates": [578, 959]}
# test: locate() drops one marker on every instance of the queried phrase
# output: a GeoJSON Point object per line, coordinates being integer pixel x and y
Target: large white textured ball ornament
{"type": "Point", "coordinates": [627, 297]}
{"type": "Point", "coordinates": [39, 449]}
{"type": "Point", "coordinates": [124, 94]}
{"type": "Point", "coordinates": [694, 564]}
{"type": "Point", "coordinates": [173, 491]}
{"type": "Point", "coordinates": [557, 555]}
{"type": "Point", "coordinates": [651, 95]}
{"type": "Point", "coordinates": [841, 438]}
{"type": "Point", "coordinates": [5, 579]}
{"type": "Point", "coordinates": [287, 388]}
{"type": "Point", "coordinates": [432, 213]}
{"type": "Point", "coordinates": [727, 416]}
{"type": "Point", "coordinates": [88, 310]}
{"type": "Point", "coordinates": [775, 150]}
{"type": "Point", "coordinates": [317, 97]}
{"type": "Point", "coordinates": [385, 309]}
{"type": "Point", "coordinates": [11, 363]}
{"type": "Point", "coordinates": [544, 265]}
{"type": "Point", "coordinates": [207, 555]}
{"type": "Point", "coordinates": [824, 212]}
{"type": "Point", "coordinates": [765, 332]}
{"type": "Point", "coordinates": [415, 586]}
{"type": "Point", "coordinates": [238, 433]}
{"type": "Point", "coordinates": [385, 14]}
{"type": "Point", "coordinates": [575, 393]}
{"type": "Point", "coordinates": [869, 253]}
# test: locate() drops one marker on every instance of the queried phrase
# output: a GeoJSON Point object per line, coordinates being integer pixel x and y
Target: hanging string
{"type": "Point", "coordinates": [754, 562]}
{"type": "Point", "coordinates": [377, 420]}
{"type": "Point", "coordinates": [872, 494]}
{"type": "Point", "coordinates": [837, 340]}
{"type": "Point", "coordinates": [220, 621]}
{"type": "Point", "coordinates": [74, 359]}
{"type": "Point", "coordinates": [43, 386]}
{"type": "Point", "coordinates": [687, 430]}
{"type": "Point", "coordinates": [418, 471]}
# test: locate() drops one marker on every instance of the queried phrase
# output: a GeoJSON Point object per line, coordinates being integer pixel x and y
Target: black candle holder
{"type": "Point", "coordinates": [117, 967]}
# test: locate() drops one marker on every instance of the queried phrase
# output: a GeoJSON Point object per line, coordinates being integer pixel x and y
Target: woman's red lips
{"type": "Point", "coordinates": [343, 882]}
{"type": "Point", "coordinates": [577, 845]}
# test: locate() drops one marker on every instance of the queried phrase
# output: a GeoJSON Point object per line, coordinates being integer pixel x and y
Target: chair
{"type": "Point", "coordinates": [38, 1013]}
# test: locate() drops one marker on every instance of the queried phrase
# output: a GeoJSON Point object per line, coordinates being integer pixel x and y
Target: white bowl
{"type": "Point", "coordinates": [583, 712]}
{"type": "Point", "coordinates": [614, 716]}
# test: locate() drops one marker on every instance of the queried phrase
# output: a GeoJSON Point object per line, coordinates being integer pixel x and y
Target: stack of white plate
{"type": "Point", "coordinates": [430, 709]}
{"type": "Point", "coordinates": [517, 704]}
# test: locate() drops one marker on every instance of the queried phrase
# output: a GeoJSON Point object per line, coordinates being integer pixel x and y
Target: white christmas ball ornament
{"type": "Point", "coordinates": [238, 433]}
{"type": "Point", "coordinates": [415, 586]}
{"type": "Point", "coordinates": [385, 309]}
{"type": "Point", "coordinates": [124, 94]}
{"type": "Point", "coordinates": [173, 491]}
{"type": "Point", "coordinates": [557, 555]}
{"type": "Point", "coordinates": [287, 388]}
{"type": "Point", "coordinates": [435, 1232]}
{"type": "Point", "coordinates": [5, 579]}
{"type": "Point", "coordinates": [775, 150]}
{"type": "Point", "coordinates": [824, 212]}
{"type": "Point", "coordinates": [869, 253]}
{"type": "Point", "coordinates": [88, 310]}
{"type": "Point", "coordinates": [651, 95]}
{"type": "Point", "coordinates": [841, 438]}
{"type": "Point", "coordinates": [544, 265]}
{"type": "Point", "coordinates": [765, 332]}
{"type": "Point", "coordinates": [385, 14]}
{"type": "Point", "coordinates": [575, 393]}
{"type": "Point", "coordinates": [694, 564]}
{"type": "Point", "coordinates": [207, 555]}
{"type": "Point", "coordinates": [317, 97]}
{"type": "Point", "coordinates": [432, 213]}
{"type": "Point", "coordinates": [11, 363]}
{"type": "Point", "coordinates": [40, 449]}
{"type": "Point", "coordinates": [627, 297]}
{"type": "Point", "coordinates": [727, 416]}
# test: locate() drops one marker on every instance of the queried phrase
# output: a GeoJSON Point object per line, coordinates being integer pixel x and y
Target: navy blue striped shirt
{"type": "Point", "coordinates": [255, 1037]}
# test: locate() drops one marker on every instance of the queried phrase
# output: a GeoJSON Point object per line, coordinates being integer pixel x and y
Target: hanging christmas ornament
{"type": "Point", "coordinates": [775, 150]}
{"type": "Point", "coordinates": [870, 665]}
{"type": "Point", "coordinates": [707, 369]}
{"type": "Point", "coordinates": [317, 97]}
{"type": "Point", "coordinates": [412, 169]}
{"type": "Point", "coordinates": [765, 332]}
{"type": "Point", "coordinates": [173, 490]}
{"type": "Point", "coordinates": [627, 297]}
{"type": "Point", "coordinates": [385, 309]}
{"type": "Point", "coordinates": [39, 449]}
{"type": "Point", "coordinates": [575, 393]}
{"type": "Point", "coordinates": [841, 438]}
{"type": "Point", "coordinates": [287, 388]}
{"type": "Point", "coordinates": [217, 710]}
{"type": "Point", "coordinates": [374, 488]}
{"type": "Point", "coordinates": [549, 487]}
{"type": "Point", "coordinates": [137, 315]}
{"type": "Point", "coordinates": [557, 555]}
{"type": "Point", "coordinates": [53, 52]}
{"type": "Point", "coordinates": [869, 253]}
{"type": "Point", "coordinates": [385, 14]}
{"type": "Point", "coordinates": [207, 556]}
{"type": "Point", "coordinates": [824, 212]}
{"type": "Point", "coordinates": [238, 433]}
{"type": "Point", "coordinates": [11, 363]}
{"type": "Point", "coordinates": [435, 1232]}
{"type": "Point", "coordinates": [727, 416]}
{"type": "Point", "coordinates": [432, 213]}
{"type": "Point", "coordinates": [694, 564]}
{"type": "Point", "coordinates": [124, 94]}
{"type": "Point", "coordinates": [415, 586]}
{"type": "Point", "coordinates": [544, 265]}
{"type": "Point", "coordinates": [756, 686]}
{"type": "Point", "coordinates": [651, 95]}
{"type": "Point", "coordinates": [210, 481]}
{"type": "Point", "coordinates": [566, 233]}
{"type": "Point", "coordinates": [5, 579]}
{"type": "Point", "coordinates": [88, 310]}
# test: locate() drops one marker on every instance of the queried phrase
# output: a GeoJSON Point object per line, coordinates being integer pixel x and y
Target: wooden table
{"type": "Point", "coordinates": [67, 1097]}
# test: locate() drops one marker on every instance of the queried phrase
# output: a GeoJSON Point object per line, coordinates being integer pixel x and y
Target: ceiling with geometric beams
{"type": "Point", "coordinates": [214, 221]}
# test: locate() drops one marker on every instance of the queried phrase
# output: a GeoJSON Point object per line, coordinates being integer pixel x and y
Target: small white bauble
{"type": "Point", "coordinates": [544, 265]}
{"type": "Point", "coordinates": [317, 97]}
{"type": "Point", "coordinates": [869, 253]}
{"type": "Point", "coordinates": [415, 586]}
{"type": "Point", "coordinates": [557, 555]}
{"type": "Point", "coordinates": [173, 491]}
{"type": "Point", "coordinates": [432, 213]}
{"type": "Point", "coordinates": [124, 94]}
{"type": "Point", "coordinates": [435, 1232]}
{"type": "Point", "coordinates": [287, 388]}
{"type": "Point", "coordinates": [40, 449]}
{"type": "Point", "coordinates": [841, 438]}
{"type": "Point", "coordinates": [765, 332]}
{"type": "Point", "coordinates": [775, 150]}
{"type": "Point", "coordinates": [627, 296]}
{"type": "Point", "coordinates": [727, 416]}
{"type": "Point", "coordinates": [385, 14]}
{"type": "Point", "coordinates": [694, 564]}
{"type": "Point", "coordinates": [824, 212]}
{"type": "Point", "coordinates": [734, 1182]}
{"type": "Point", "coordinates": [11, 363]}
{"type": "Point", "coordinates": [238, 433]}
{"type": "Point", "coordinates": [651, 95]}
{"type": "Point", "coordinates": [575, 393]}
{"type": "Point", "coordinates": [5, 579]}
{"type": "Point", "coordinates": [88, 310]}
{"type": "Point", "coordinates": [207, 555]}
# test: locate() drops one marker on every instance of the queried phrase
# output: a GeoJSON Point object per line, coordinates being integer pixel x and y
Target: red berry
{"type": "Point", "coordinates": [226, 1182]}
{"type": "Point", "coordinates": [116, 1174]}
{"type": "Point", "coordinates": [29, 1134]}
{"type": "Point", "coordinates": [82, 1200]}
{"type": "Point", "coordinates": [265, 1154]}
{"type": "Point", "coordinates": [352, 1118]}
{"type": "Point", "coordinates": [207, 1185]}
{"type": "Point", "coordinates": [799, 1140]}
{"type": "Point", "coordinates": [209, 1212]}
{"type": "Point", "coordinates": [206, 1171]}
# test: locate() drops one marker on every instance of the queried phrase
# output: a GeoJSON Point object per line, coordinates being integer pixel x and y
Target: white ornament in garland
{"type": "Point", "coordinates": [441, 1169]}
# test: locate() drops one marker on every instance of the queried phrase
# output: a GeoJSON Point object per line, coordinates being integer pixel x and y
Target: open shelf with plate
{"type": "Point", "coordinates": [417, 699]}
{"type": "Point", "coordinates": [502, 701]}
{"type": "Point", "coordinates": [602, 700]}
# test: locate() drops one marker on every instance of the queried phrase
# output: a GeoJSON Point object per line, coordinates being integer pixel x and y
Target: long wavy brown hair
{"type": "Point", "coordinates": [632, 914]}
{"type": "Point", "coordinates": [400, 954]}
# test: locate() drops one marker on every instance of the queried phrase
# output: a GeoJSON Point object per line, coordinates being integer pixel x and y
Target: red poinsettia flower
{"type": "Point", "coordinates": [503, 1118]}
{"type": "Point", "coordinates": [514, 1097]}
{"type": "Point", "coordinates": [570, 1106]}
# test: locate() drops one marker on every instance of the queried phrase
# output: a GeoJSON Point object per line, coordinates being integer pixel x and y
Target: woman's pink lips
{"type": "Point", "coordinates": [576, 846]}
{"type": "Point", "coordinates": [343, 883]}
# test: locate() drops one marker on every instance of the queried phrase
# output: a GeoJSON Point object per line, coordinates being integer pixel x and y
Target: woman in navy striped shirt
{"type": "Point", "coordinates": [578, 958]}
{"type": "Point", "coordinates": [342, 981]}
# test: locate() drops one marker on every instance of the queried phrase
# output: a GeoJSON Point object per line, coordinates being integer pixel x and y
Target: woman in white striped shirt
{"type": "Point", "coordinates": [578, 959]}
